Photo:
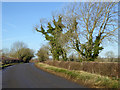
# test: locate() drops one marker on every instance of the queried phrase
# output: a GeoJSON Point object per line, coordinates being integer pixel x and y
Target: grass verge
{"type": "Point", "coordinates": [7, 65]}
{"type": "Point", "coordinates": [81, 77]}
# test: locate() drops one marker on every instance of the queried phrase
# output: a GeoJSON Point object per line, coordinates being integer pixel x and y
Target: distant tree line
{"type": "Point", "coordinates": [19, 52]}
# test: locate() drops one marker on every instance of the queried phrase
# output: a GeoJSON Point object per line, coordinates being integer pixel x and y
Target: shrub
{"type": "Point", "coordinates": [106, 69]}
{"type": "Point", "coordinates": [25, 54]}
{"type": "Point", "coordinates": [43, 54]}
{"type": "Point", "coordinates": [81, 77]}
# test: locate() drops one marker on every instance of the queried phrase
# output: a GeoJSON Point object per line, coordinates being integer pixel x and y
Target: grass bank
{"type": "Point", "coordinates": [81, 77]}
{"type": "Point", "coordinates": [7, 65]}
{"type": "Point", "coordinates": [103, 68]}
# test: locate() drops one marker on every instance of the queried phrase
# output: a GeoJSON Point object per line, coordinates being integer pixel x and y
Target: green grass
{"type": "Point", "coordinates": [93, 80]}
{"type": "Point", "coordinates": [6, 65]}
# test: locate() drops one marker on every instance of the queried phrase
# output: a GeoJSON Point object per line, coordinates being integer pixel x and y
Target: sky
{"type": "Point", "coordinates": [19, 19]}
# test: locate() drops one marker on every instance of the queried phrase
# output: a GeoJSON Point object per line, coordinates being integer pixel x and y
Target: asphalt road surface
{"type": "Point", "coordinates": [28, 76]}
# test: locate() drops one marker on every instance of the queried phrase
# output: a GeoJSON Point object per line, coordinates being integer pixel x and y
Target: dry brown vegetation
{"type": "Point", "coordinates": [102, 68]}
{"type": "Point", "coordinates": [81, 77]}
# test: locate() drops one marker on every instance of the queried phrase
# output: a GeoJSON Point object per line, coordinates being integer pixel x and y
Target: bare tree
{"type": "Point", "coordinates": [73, 57]}
{"type": "Point", "coordinates": [110, 55]}
{"type": "Point", "coordinates": [16, 47]}
{"type": "Point", "coordinates": [90, 24]}
{"type": "Point", "coordinates": [5, 52]}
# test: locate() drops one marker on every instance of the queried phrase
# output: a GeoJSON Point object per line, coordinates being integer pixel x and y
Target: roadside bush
{"type": "Point", "coordinates": [25, 54]}
{"type": "Point", "coordinates": [7, 60]}
{"type": "Point", "coordinates": [81, 77]}
{"type": "Point", "coordinates": [102, 68]}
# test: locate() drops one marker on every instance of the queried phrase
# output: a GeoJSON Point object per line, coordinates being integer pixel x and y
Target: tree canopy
{"type": "Point", "coordinates": [52, 34]}
{"type": "Point", "coordinates": [84, 27]}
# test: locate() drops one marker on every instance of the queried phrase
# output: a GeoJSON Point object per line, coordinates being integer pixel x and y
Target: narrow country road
{"type": "Point", "coordinates": [28, 76]}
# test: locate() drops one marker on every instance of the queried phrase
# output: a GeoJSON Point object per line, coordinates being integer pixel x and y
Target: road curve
{"type": "Point", "coordinates": [28, 76]}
